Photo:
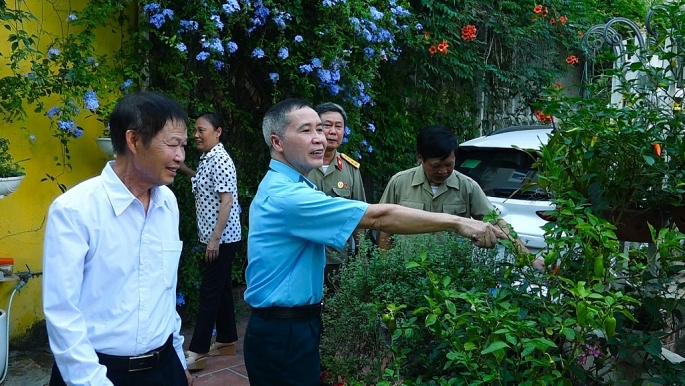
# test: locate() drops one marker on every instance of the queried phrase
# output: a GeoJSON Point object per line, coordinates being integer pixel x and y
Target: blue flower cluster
{"type": "Point", "coordinates": [72, 17]}
{"type": "Point", "coordinates": [158, 16]}
{"type": "Point", "coordinates": [180, 299]}
{"type": "Point", "coordinates": [280, 18]}
{"type": "Point", "coordinates": [231, 6]}
{"type": "Point", "coordinates": [71, 128]}
{"type": "Point", "coordinates": [274, 77]}
{"type": "Point", "coordinates": [330, 3]}
{"type": "Point", "coordinates": [53, 53]}
{"type": "Point", "coordinates": [283, 53]}
{"type": "Point", "coordinates": [90, 101]}
{"type": "Point", "coordinates": [258, 53]}
{"type": "Point", "coordinates": [188, 26]}
{"type": "Point", "coordinates": [261, 13]}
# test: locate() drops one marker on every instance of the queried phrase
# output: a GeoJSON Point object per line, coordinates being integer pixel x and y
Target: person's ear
{"type": "Point", "coordinates": [276, 143]}
{"type": "Point", "coordinates": [133, 141]}
{"type": "Point", "coordinates": [218, 132]}
{"type": "Point", "coordinates": [418, 156]}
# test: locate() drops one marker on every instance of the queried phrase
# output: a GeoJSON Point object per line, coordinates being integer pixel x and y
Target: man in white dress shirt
{"type": "Point", "coordinates": [111, 255]}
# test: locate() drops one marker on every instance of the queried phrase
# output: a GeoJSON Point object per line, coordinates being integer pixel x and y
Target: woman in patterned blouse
{"type": "Point", "coordinates": [218, 221]}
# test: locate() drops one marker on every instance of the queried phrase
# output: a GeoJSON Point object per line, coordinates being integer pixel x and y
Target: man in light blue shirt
{"type": "Point", "coordinates": [290, 224]}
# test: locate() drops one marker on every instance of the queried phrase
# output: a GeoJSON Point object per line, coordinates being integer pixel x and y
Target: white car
{"type": "Point", "coordinates": [505, 173]}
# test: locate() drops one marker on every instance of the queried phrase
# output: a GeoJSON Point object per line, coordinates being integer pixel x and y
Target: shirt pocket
{"type": "Point", "coordinates": [171, 254]}
{"type": "Point", "coordinates": [340, 192]}
{"type": "Point", "coordinates": [412, 204]}
{"type": "Point", "coordinates": [455, 209]}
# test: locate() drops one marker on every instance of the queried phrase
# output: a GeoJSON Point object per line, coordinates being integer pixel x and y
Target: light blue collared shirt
{"type": "Point", "coordinates": [290, 223]}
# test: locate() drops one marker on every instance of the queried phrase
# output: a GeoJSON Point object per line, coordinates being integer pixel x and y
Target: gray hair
{"type": "Point", "coordinates": [277, 118]}
{"type": "Point", "coordinates": [330, 106]}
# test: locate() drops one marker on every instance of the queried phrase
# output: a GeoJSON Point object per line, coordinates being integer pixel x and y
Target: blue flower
{"type": "Point", "coordinates": [202, 55]}
{"type": "Point", "coordinates": [335, 75]}
{"type": "Point", "coordinates": [399, 11]}
{"type": "Point", "coordinates": [231, 47]}
{"type": "Point", "coordinates": [151, 8]}
{"type": "Point", "coordinates": [306, 68]}
{"type": "Point", "coordinates": [298, 39]}
{"type": "Point", "coordinates": [231, 6]}
{"type": "Point", "coordinates": [92, 62]}
{"type": "Point", "coordinates": [168, 13]}
{"type": "Point", "coordinates": [274, 77]}
{"type": "Point", "coordinates": [262, 12]}
{"type": "Point", "coordinates": [218, 65]}
{"type": "Point", "coordinates": [90, 100]}
{"type": "Point", "coordinates": [372, 127]}
{"type": "Point", "coordinates": [217, 21]}
{"type": "Point", "coordinates": [157, 20]}
{"type": "Point", "coordinates": [52, 112]}
{"type": "Point", "coordinates": [418, 27]}
{"type": "Point", "coordinates": [189, 25]}
{"type": "Point", "coordinates": [182, 47]}
{"type": "Point", "coordinates": [65, 125]}
{"type": "Point", "coordinates": [324, 75]}
{"type": "Point", "coordinates": [180, 299]}
{"type": "Point", "coordinates": [53, 53]}
{"type": "Point", "coordinates": [77, 132]}
{"type": "Point", "coordinates": [348, 131]}
{"type": "Point", "coordinates": [71, 17]}
{"type": "Point", "coordinates": [258, 53]}
{"type": "Point", "coordinates": [32, 138]}
{"type": "Point", "coordinates": [283, 53]}
{"type": "Point", "coordinates": [369, 149]}
{"type": "Point", "coordinates": [215, 45]}
{"type": "Point", "coordinates": [345, 140]}
{"type": "Point", "coordinates": [334, 89]}
{"type": "Point", "coordinates": [127, 83]}
{"type": "Point", "coordinates": [281, 19]}
{"type": "Point", "coordinates": [358, 154]}
{"type": "Point", "coordinates": [375, 14]}
{"type": "Point", "coordinates": [368, 51]}
{"type": "Point", "coordinates": [316, 63]}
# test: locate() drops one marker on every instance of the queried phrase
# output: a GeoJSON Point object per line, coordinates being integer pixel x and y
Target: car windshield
{"type": "Point", "coordinates": [505, 173]}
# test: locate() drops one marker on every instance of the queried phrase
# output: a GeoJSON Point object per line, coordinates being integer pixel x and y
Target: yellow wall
{"type": "Point", "coordinates": [22, 213]}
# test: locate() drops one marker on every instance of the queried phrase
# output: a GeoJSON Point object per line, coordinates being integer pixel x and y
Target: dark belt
{"type": "Point", "coordinates": [304, 312]}
{"type": "Point", "coordinates": [137, 363]}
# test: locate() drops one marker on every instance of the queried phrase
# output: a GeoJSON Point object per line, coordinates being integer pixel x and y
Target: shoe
{"type": "Point", "coordinates": [218, 348]}
{"type": "Point", "coordinates": [195, 361]}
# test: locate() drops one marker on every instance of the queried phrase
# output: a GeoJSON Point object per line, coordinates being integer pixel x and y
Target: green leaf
{"type": "Point", "coordinates": [431, 319]}
{"type": "Point", "coordinates": [494, 346]}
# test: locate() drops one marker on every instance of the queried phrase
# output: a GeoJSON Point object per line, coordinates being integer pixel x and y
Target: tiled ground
{"type": "Point", "coordinates": [228, 369]}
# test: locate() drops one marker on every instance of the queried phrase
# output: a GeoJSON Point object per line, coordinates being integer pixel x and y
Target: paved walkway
{"type": "Point", "coordinates": [33, 367]}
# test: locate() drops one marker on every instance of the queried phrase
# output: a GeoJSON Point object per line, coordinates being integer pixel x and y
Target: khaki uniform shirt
{"type": "Point", "coordinates": [342, 179]}
{"type": "Point", "coordinates": [458, 195]}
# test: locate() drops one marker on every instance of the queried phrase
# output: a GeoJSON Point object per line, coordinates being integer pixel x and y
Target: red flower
{"type": "Point", "coordinates": [545, 11]}
{"type": "Point", "coordinates": [468, 33]}
{"type": "Point", "coordinates": [557, 85]}
{"type": "Point", "coordinates": [442, 47]}
{"type": "Point", "coordinates": [563, 19]}
{"type": "Point", "coordinates": [551, 21]}
{"type": "Point", "coordinates": [542, 117]}
{"type": "Point", "coordinates": [432, 50]}
{"type": "Point", "coordinates": [572, 60]}
{"type": "Point", "coordinates": [538, 9]}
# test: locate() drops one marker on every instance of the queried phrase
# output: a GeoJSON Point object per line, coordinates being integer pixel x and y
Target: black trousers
{"type": "Point", "coordinates": [216, 302]}
{"type": "Point", "coordinates": [168, 372]}
{"type": "Point", "coordinates": [282, 351]}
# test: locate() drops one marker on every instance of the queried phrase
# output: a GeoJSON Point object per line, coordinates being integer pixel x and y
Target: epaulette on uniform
{"type": "Point", "coordinates": [350, 160]}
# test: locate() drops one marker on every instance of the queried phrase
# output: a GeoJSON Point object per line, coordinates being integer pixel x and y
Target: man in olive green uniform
{"type": "Point", "coordinates": [434, 185]}
{"type": "Point", "coordinates": [338, 177]}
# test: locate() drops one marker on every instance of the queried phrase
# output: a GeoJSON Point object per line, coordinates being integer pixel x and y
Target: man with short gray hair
{"type": "Point", "coordinates": [339, 176]}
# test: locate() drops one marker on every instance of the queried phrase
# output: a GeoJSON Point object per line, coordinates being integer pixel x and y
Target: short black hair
{"type": "Point", "coordinates": [217, 121]}
{"type": "Point", "coordinates": [146, 112]}
{"type": "Point", "coordinates": [330, 106]}
{"type": "Point", "coordinates": [436, 142]}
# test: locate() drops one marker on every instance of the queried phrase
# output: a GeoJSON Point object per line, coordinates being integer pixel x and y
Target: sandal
{"type": "Point", "coordinates": [195, 361]}
{"type": "Point", "coordinates": [219, 348]}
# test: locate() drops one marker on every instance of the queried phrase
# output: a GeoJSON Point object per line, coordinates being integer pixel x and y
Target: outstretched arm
{"type": "Point", "coordinates": [396, 219]}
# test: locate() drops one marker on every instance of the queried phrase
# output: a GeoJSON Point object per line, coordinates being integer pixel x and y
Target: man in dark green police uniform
{"type": "Point", "coordinates": [338, 177]}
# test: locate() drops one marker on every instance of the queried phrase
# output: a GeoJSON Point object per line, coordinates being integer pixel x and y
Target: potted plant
{"type": "Point", "coordinates": [620, 145]}
{"type": "Point", "coordinates": [11, 173]}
